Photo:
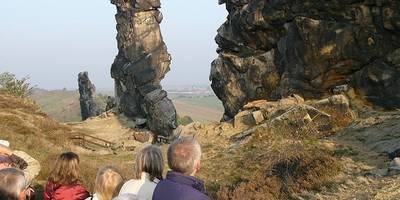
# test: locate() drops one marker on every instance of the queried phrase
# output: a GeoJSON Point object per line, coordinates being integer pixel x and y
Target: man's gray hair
{"type": "Point", "coordinates": [12, 183]}
{"type": "Point", "coordinates": [183, 154]}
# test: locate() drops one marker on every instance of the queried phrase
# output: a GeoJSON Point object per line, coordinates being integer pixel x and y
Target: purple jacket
{"type": "Point", "coordinates": [177, 186]}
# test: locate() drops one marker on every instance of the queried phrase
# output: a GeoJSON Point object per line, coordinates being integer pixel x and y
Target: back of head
{"type": "Point", "coordinates": [149, 160]}
{"type": "Point", "coordinates": [5, 162]}
{"type": "Point", "coordinates": [66, 169]}
{"type": "Point", "coordinates": [108, 183]}
{"type": "Point", "coordinates": [184, 154]}
{"type": "Point", "coordinates": [12, 183]}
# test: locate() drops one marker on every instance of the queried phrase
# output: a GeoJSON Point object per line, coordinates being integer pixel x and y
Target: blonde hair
{"type": "Point", "coordinates": [108, 183]}
{"type": "Point", "coordinates": [66, 169]}
{"type": "Point", "coordinates": [149, 160]}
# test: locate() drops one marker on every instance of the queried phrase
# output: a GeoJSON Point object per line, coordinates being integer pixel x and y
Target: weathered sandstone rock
{"type": "Point", "coordinates": [141, 64]}
{"type": "Point", "coordinates": [272, 49]}
{"type": "Point", "coordinates": [87, 92]}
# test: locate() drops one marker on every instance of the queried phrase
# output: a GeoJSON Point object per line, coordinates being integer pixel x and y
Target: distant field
{"type": "Point", "coordinates": [199, 107]}
{"type": "Point", "coordinates": [63, 105]}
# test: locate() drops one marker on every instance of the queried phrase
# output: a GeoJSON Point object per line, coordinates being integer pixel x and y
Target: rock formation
{"type": "Point", "coordinates": [272, 49]}
{"type": "Point", "coordinates": [141, 64]}
{"type": "Point", "coordinates": [87, 92]}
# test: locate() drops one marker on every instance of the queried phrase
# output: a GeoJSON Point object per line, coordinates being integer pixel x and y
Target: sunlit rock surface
{"type": "Point", "coordinates": [272, 49]}
{"type": "Point", "coordinates": [141, 64]}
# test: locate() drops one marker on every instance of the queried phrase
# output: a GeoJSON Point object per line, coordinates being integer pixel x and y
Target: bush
{"type": "Point", "coordinates": [275, 163]}
{"type": "Point", "coordinates": [11, 85]}
{"type": "Point", "coordinates": [185, 120]}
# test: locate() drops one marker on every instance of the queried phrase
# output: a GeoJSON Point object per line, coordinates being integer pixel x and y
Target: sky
{"type": "Point", "coordinates": [52, 41]}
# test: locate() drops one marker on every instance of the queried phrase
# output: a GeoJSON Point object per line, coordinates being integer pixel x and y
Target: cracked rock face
{"type": "Point", "coordinates": [141, 64]}
{"type": "Point", "coordinates": [272, 49]}
{"type": "Point", "coordinates": [87, 92]}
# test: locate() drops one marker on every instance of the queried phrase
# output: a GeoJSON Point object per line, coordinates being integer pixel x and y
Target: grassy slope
{"type": "Point", "coordinates": [30, 130]}
{"type": "Point", "coordinates": [270, 165]}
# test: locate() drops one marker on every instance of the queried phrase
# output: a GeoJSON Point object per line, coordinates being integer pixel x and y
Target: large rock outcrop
{"type": "Point", "coordinates": [272, 49]}
{"type": "Point", "coordinates": [141, 64]}
{"type": "Point", "coordinates": [87, 91]}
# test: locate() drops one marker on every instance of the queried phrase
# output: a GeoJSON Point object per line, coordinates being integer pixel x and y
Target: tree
{"type": "Point", "coordinates": [11, 85]}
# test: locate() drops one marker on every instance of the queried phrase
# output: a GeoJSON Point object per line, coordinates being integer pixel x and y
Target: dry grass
{"type": "Point", "coordinates": [30, 130]}
{"type": "Point", "coordinates": [271, 165]}
{"type": "Point", "coordinates": [340, 118]}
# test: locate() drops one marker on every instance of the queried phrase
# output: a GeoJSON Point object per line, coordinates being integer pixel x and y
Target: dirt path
{"type": "Point", "coordinates": [113, 128]}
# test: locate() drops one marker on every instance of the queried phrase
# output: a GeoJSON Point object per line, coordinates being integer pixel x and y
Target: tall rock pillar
{"type": "Point", "coordinates": [87, 91]}
{"type": "Point", "coordinates": [141, 63]}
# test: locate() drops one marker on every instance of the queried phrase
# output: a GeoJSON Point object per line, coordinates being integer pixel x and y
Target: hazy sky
{"type": "Point", "coordinates": [51, 41]}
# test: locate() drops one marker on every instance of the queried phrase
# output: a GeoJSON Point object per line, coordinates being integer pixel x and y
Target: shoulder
{"type": "Point", "coordinates": [128, 186]}
{"type": "Point", "coordinates": [195, 195]}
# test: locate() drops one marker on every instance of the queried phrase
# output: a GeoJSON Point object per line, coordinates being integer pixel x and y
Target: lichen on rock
{"type": "Point", "coordinates": [141, 64]}
{"type": "Point", "coordinates": [272, 49]}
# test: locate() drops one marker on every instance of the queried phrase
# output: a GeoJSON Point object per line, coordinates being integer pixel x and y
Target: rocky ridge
{"type": "Point", "coordinates": [272, 49]}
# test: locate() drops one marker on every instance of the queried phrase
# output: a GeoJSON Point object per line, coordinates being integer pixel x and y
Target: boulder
{"type": "Point", "coordinates": [257, 105]}
{"type": "Point", "coordinates": [243, 120]}
{"type": "Point", "coordinates": [258, 116]}
{"type": "Point", "coordinates": [394, 167]}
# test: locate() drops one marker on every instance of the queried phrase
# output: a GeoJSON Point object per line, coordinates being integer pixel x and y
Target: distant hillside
{"type": "Point", "coordinates": [63, 105]}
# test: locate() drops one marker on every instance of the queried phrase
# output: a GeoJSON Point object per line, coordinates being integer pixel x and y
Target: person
{"type": "Point", "coordinates": [108, 183]}
{"type": "Point", "coordinates": [63, 182]}
{"type": "Point", "coordinates": [13, 185]}
{"type": "Point", "coordinates": [20, 160]}
{"type": "Point", "coordinates": [148, 170]}
{"type": "Point", "coordinates": [127, 196]}
{"type": "Point", "coordinates": [180, 184]}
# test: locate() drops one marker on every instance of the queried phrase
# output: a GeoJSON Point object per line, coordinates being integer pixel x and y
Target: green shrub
{"type": "Point", "coordinates": [11, 85]}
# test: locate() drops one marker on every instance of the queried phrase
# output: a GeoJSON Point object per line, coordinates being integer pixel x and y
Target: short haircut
{"type": "Point", "coordinates": [183, 154]}
{"type": "Point", "coordinates": [12, 183]}
{"type": "Point", "coordinates": [108, 182]}
{"type": "Point", "coordinates": [66, 169]}
{"type": "Point", "coordinates": [149, 160]}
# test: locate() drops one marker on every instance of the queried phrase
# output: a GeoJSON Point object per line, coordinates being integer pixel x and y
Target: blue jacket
{"type": "Point", "coordinates": [177, 186]}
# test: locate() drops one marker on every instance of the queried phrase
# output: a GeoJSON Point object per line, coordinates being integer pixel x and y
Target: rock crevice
{"type": "Point", "coordinates": [141, 63]}
{"type": "Point", "coordinates": [272, 49]}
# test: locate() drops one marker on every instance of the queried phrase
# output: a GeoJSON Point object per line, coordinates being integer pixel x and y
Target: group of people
{"type": "Point", "coordinates": [148, 183]}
